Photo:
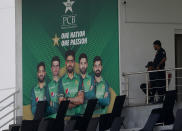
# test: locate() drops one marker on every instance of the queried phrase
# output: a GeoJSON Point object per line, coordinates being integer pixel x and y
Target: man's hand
{"type": "Point", "coordinates": [78, 99]}
{"type": "Point", "coordinates": [71, 105]}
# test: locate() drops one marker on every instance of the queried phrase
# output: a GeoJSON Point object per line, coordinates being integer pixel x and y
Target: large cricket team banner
{"type": "Point", "coordinates": [51, 27]}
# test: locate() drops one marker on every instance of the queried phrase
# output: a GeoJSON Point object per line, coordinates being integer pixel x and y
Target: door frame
{"type": "Point", "coordinates": [177, 32]}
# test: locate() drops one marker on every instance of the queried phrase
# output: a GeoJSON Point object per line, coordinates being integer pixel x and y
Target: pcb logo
{"type": "Point", "coordinates": [68, 19]}
{"type": "Point", "coordinates": [52, 94]}
{"type": "Point", "coordinates": [37, 99]}
{"type": "Point", "coordinates": [68, 4]}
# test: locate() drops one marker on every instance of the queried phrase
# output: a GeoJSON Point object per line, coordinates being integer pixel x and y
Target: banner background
{"type": "Point", "coordinates": [43, 19]}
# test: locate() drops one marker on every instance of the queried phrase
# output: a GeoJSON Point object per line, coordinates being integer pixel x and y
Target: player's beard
{"type": "Point", "coordinates": [55, 74]}
{"type": "Point", "coordinates": [41, 80]}
{"type": "Point", "coordinates": [83, 70]}
{"type": "Point", "coordinates": [98, 73]}
{"type": "Point", "coordinates": [70, 69]}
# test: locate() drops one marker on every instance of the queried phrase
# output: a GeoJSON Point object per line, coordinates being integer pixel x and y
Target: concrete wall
{"type": "Point", "coordinates": [7, 42]}
{"type": "Point", "coordinates": [7, 55]}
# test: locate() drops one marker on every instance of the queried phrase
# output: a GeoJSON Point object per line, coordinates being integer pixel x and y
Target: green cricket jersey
{"type": "Point", "coordinates": [38, 94]}
{"type": "Point", "coordinates": [89, 90]}
{"type": "Point", "coordinates": [53, 96]}
{"type": "Point", "coordinates": [69, 88]}
{"type": "Point", "coordinates": [101, 88]}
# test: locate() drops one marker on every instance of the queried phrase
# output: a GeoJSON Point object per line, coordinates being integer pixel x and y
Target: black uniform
{"type": "Point", "coordinates": [161, 75]}
{"type": "Point", "coordinates": [161, 54]}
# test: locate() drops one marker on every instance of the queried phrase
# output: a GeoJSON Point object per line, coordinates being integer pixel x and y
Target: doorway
{"type": "Point", "coordinates": [178, 64]}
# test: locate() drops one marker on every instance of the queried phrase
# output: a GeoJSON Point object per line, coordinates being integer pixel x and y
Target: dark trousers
{"type": "Point", "coordinates": [160, 83]}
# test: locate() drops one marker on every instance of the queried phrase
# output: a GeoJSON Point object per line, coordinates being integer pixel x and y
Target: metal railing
{"type": "Point", "coordinates": [6, 113]}
{"type": "Point", "coordinates": [172, 79]}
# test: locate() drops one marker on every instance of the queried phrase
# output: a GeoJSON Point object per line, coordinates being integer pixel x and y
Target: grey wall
{"type": "Point", "coordinates": [142, 22]}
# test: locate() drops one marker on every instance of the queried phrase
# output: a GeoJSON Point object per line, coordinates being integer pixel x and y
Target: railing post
{"type": "Point", "coordinates": [14, 106]}
{"type": "Point", "coordinates": [127, 86]}
{"type": "Point", "coordinates": [147, 87]}
{"type": "Point", "coordinates": [167, 82]}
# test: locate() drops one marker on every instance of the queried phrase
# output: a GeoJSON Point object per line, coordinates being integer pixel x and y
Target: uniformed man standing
{"type": "Point", "coordinates": [71, 86]}
{"type": "Point", "coordinates": [159, 64]}
{"type": "Point", "coordinates": [88, 80]}
{"type": "Point", "coordinates": [160, 57]}
{"type": "Point", "coordinates": [39, 91]}
{"type": "Point", "coordinates": [101, 86]}
{"type": "Point", "coordinates": [53, 87]}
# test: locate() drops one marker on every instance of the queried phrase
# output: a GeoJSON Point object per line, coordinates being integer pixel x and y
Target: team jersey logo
{"type": "Point", "coordinates": [67, 90]}
{"type": "Point", "coordinates": [37, 99]}
{"type": "Point", "coordinates": [52, 93]}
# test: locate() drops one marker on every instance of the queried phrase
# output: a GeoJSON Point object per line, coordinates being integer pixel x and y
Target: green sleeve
{"type": "Point", "coordinates": [93, 92]}
{"type": "Point", "coordinates": [47, 94]}
{"type": "Point", "coordinates": [49, 110]}
{"type": "Point", "coordinates": [105, 101]}
{"type": "Point", "coordinates": [60, 89]}
{"type": "Point", "coordinates": [33, 102]}
{"type": "Point", "coordinates": [90, 94]}
{"type": "Point", "coordinates": [80, 88]}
